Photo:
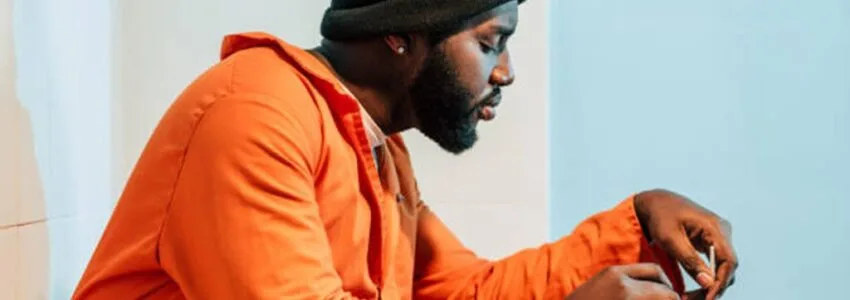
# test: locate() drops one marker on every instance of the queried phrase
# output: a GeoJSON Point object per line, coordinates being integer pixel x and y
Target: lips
{"type": "Point", "coordinates": [493, 99]}
{"type": "Point", "coordinates": [487, 107]}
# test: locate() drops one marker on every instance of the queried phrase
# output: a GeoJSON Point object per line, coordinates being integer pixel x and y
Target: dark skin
{"type": "Point", "coordinates": [389, 76]}
{"type": "Point", "coordinates": [478, 50]}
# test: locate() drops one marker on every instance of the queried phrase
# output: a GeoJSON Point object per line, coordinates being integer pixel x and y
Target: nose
{"type": "Point", "coordinates": [503, 73]}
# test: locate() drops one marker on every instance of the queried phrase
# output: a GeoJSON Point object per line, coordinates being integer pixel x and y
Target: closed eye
{"type": "Point", "coordinates": [486, 48]}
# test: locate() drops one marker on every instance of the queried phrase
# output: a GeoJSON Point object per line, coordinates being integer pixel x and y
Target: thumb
{"type": "Point", "coordinates": [680, 249]}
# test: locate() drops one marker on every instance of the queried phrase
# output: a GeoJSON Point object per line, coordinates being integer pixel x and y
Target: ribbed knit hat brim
{"type": "Point", "coordinates": [346, 21]}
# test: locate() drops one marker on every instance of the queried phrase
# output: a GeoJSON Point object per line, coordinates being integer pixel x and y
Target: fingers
{"type": "Point", "coordinates": [725, 278]}
{"type": "Point", "coordinates": [654, 291]}
{"type": "Point", "coordinates": [647, 272]}
{"type": "Point", "coordinates": [681, 249]}
{"type": "Point", "coordinates": [727, 263]}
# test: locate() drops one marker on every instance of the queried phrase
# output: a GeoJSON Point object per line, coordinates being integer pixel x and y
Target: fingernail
{"type": "Point", "coordinates": [705, 280]}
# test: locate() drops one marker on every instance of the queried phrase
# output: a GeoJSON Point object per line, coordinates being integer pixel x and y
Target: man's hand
{"type": "Point", "coordinates": [630, 282]}
{"type": "Point", "coordinates": [682, 227]}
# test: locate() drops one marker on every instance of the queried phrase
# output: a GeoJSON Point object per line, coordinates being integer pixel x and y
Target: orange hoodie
{"type": "Point", "coordinates": [259, 183]}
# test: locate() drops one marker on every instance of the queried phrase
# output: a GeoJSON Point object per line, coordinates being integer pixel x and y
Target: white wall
{"type": "Point", "coordinates": [743, 105]}
{"type": "Point", "coordinates": [23, 232]}
{"type": "Point", "coordinates": [63, 88]}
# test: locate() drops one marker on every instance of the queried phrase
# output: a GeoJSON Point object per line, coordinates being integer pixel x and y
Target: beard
{"type": "Point", "coordinates": [442, 105]}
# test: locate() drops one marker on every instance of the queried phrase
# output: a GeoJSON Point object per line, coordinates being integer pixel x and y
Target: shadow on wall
{"type": "Point", "coordinates": [24, 243]}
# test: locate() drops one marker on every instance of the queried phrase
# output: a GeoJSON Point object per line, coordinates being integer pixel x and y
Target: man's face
{"type": "Point", "coordinates": [459, 82]}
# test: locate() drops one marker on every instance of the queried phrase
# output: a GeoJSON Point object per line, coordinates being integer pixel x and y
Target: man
{"type": "Point", "coordinates": [280, 174]}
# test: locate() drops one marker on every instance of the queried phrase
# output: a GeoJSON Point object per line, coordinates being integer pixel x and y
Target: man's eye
{"type": "Point", "coordinates": [487, 48]}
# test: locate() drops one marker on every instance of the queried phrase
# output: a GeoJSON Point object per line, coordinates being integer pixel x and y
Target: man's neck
{"type": "Point", "coordinates": [378, 102]}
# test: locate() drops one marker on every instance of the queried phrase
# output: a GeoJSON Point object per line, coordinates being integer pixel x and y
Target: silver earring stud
{"type": "Point", "coordinates": [401, 50]}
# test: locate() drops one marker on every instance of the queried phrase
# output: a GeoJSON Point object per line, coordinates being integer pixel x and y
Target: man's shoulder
{"type": "Point", "coordinates": [261, 66]}
{"type": "Point", "coordinates": [257, 64]}
{"type": "Point", "coordinates": [256, 77]}
{"type": "Point", "coordinates": [262, 61]}
{"type": "Point", "coordinates": [262, 70]}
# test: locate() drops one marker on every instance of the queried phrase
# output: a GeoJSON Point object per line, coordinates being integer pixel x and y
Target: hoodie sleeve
{"type": "Point", "coordinates": [445, 269]}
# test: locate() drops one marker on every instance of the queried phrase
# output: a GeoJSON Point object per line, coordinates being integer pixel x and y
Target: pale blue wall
{"type": "Point", "coordinates": [741, 104]}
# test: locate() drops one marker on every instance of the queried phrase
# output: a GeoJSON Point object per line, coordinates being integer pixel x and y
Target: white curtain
{"type": "Point", "coordinates": [23, 228]}
{"type": "Point", "coordinates": [56, 130]}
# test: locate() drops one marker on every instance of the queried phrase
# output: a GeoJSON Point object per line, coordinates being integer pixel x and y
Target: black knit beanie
{"type": "Point", "coordinates": [351, 19]}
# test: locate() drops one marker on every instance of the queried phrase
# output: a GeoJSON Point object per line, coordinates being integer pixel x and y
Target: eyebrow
{"type": "Point", "coordinates": [503, 29]}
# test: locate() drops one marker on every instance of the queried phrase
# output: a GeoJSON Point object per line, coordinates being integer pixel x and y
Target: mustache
{"type": "Point", "coordinates": [488, 100]}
